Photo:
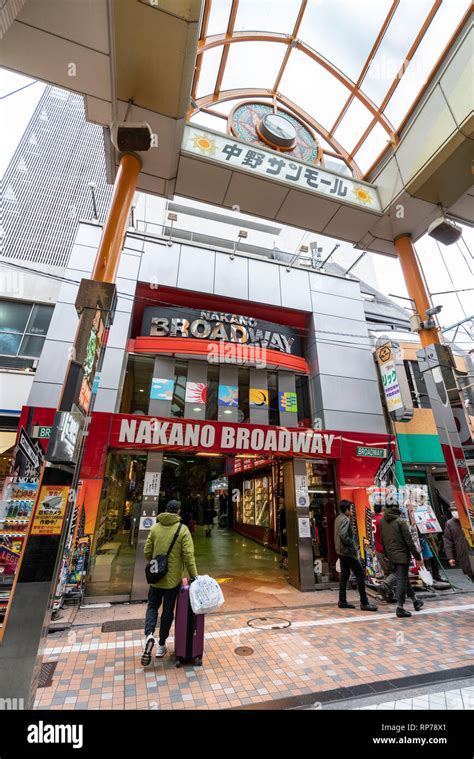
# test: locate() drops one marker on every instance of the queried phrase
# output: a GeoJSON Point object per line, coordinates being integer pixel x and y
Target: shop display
{"type": "Point", "coordinates": [16, 508]}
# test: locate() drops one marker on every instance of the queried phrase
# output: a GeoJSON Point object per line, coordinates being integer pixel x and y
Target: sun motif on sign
{"type": "Point", "coordinates": [362, 195]}
{"type": "Point", "coordinates": [204, 144]}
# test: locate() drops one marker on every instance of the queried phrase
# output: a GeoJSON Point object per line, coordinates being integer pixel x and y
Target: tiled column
{"type": "Point", "coordinates": [164, 370]}
{"type": "Point", "coordinates": [300, 548]}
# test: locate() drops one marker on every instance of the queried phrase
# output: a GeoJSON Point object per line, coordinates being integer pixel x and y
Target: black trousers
{"type": "Point", "coordinates": [157, 596]}
{"type": "Point", "coordinates": [348, 563]}
{"type": "Point", "coordinates": [402, 586]}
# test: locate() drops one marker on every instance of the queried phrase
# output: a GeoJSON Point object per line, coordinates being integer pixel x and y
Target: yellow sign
{"type": "Point", "coordinates": [384, 353]}
{"type": "Point", "coordinates": [258, 398]}
{"type": "Point", "coordinates": [49, 516]}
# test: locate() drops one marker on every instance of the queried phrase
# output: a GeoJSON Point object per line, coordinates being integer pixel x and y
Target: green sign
{"type": "Point", "coordinates": [42, 432]}
{"type": "Point", "coordinates": [376, 453]}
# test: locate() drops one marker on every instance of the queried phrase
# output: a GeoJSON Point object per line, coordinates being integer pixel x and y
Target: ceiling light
{"type": "Point", "coordinates": [197, 408]}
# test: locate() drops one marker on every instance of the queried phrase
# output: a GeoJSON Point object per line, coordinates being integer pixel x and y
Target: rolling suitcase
{"type": "Point", "coordinates": [188, 631]}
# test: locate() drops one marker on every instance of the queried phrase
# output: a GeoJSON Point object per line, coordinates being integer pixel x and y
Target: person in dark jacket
{"type": "Point", "coordinates": [346, 550]}
{"type": "Point", "coordinates": [455, 543]}
{"type": "Point", "coordinates": [398, 547]}
{"type": "Point", "coordinates": [389, 578]}
{"type": "Point", "coordinates": [208, 515]}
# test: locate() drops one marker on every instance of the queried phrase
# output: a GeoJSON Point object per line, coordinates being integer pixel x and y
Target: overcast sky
{"type": "Point", "coordinates": [455, 272]}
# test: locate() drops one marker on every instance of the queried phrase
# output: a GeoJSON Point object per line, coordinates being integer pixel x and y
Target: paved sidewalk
{"type": "Point", "coordinates": [323, 649]}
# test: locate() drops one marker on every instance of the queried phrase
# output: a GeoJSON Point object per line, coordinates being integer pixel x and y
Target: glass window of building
{"type": "Point", "coordinates": [179, 390]}
{"type": "Point", "coordinates": [244, 410]}
{"type": "Point", "coordinates": [212, 391]}
{"type": "Point", "coordinates": [23, 328]}
{"type": "Point", "coordinates": [302, 396]}
{"type": "Point", "coordinates": [137, 384]}
{"type": "Point", "coordinates": [273, 413]}
{"type": "Point", "coordinates": [417, 385]}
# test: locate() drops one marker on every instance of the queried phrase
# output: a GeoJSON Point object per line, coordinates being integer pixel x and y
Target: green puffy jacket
{"type": "Point", "coordinates": [398, 544]}
{"type": "Point", "coordinates": [182, 555]}
{"type": "Point", "coordinates": [344, 538]}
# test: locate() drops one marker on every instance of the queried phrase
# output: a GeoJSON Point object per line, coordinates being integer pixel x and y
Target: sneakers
{"type": "Point", "coordinates": [368, 607]}
{"type": "Point", "coordinates": [148, 648]}
{"type": "Point", "coordinates": [417, 605]}
{"type": "Point", "coordinates": [345, 605]}
{"type": "Point", "coordinates": [402, 612]}
{"type": "Point", "coordinates": [161, 651]}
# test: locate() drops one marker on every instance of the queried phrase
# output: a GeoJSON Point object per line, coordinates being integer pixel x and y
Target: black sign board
{"type": "Point", "coordinates": [220, 326]}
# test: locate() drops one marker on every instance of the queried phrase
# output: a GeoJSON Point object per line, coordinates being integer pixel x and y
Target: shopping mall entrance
{"type": "Point", "coordinates": [236, 510]}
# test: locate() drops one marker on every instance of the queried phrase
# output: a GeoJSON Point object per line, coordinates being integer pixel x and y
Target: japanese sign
{"type": "Point", "coordinates": [48, 518]}
{"type": "Point", "coordinates": [243, 157]}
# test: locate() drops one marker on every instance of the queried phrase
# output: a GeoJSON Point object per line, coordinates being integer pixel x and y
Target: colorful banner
{"type": "Point", "coordinates": [196, 392]}
{"type": "Point", "coordinates": [228, 395]}
{"type": "Point", "coordinates": [288, 402]}
{"type": "Point", "coordinates": [161, 389]}
{"type": "Point", "coordinates": [49, 515]}
{"type": "Point", "coordinates": [258, 398]}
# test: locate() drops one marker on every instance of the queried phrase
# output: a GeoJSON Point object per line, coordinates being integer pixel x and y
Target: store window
{"type": "Point", "coordinates": [302, 397]}
{"type": "Point", "coordinates": [417, 385]}
{"type": "Point", "coordinates": [23, 328]}
{"type": "Point", "coordinates": [137, 384]}
{"type": "Point", "coordinates": [179, 390]}
{"type": "Point", "coordinates": [253, 507]}
{"type": "Point", "coordinates": [322, 511]}
{"type": "Point", "coordinates": [244, 409]}
{"type": "Point", "coordinates": [115, 539]}
{"type": "Point", "coordinates": [273, 412]}
{"type": "Point", "coordinates": [212, 392]}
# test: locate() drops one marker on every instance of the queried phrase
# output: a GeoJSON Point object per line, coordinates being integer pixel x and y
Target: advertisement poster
{"type": "Point", "coordinates": [151, 485]}
{"type": "Point", "coordinates": [50, 513]}
{"type": "Point", "coordinates": [161, 389]}
{"type": "Point", "coordinates": [228, 395]}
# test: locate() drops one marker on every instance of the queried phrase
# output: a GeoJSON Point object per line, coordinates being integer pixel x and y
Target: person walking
{"type": "Point", "coordinates": [389, 578]}
{"type": "Point", "coordinates": [455, 543]}
{"type": "Point", "coordinates": [165, 591]}
{"type": "Point", "coordinates": [346, 550]}
{"type": "Point", "coordinates": [398, 547]}
{"type": "Point", "coordinates": [208, 515]}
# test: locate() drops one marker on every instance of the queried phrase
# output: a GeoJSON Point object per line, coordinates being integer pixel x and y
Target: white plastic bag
{"type": "Point", "coordinates": [205, 595]}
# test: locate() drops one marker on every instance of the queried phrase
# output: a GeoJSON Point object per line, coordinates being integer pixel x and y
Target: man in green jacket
{"type": "Point", "coordinates": [399, 546]}
{"type": "Point", "coordinates": [347, 551]}
{"type": "Point", "coordinates": [166, 590]}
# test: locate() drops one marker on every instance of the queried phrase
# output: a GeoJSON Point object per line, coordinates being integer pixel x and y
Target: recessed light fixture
{"type": "Point", "coordinates": [197, 408]}
{"type": "Point", "coordinates": [228, 411]}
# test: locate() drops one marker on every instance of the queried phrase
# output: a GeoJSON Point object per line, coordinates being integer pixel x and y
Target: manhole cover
{"type": "Point", "coordinates": [46, 674]}
{"type": "Point", "coordinates": [269, 623]}
{"type": "Point", "coordinates": [243, 651]}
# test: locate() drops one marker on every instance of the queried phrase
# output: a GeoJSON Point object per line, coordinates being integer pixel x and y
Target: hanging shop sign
{"type": "Point", "coordinates": [288, 171]}
{"type": "Point", "coordinates": [219, 326]}
{"type": "Point", "coordinates": [49, 515]}
{"type": "Point", "coordinates": [217, 437]}
{"type": "Point", "coordinates": [394, 380]}
{"type": "Point", "coordinates": [65, 436]}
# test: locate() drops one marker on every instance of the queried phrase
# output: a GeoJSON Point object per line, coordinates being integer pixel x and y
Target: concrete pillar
{"type": "Point", "coordinates": [300, 548]}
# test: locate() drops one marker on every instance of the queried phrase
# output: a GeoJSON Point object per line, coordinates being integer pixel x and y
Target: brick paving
{"type": "Point", "coordinates": [323, 649]}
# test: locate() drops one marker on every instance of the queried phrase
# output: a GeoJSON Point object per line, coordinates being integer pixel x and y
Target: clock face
{"type": "Point", "coordinates": [257, 124]}
{"type": "Point", "coordinates": [278, 130]}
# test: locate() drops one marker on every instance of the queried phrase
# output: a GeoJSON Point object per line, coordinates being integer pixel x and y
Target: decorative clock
{"type": "Point", "coordinates": [263, 124]}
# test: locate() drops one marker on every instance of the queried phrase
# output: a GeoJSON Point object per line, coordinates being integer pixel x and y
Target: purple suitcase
{"type": "Point", "coordinates": [188, 631]}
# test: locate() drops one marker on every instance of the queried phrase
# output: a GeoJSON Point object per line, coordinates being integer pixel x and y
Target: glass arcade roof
{"type": "Point", "coordinates": [350, 70]}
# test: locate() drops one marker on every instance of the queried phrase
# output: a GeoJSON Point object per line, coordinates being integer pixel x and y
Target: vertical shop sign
{"type": "Point", "coordinates": [394, 380]}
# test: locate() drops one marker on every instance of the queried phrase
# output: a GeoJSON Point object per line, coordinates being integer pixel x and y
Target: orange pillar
{"type": "Point", "coordinates": [415, 285]}
{"type": "Point", "coordinates": [113, 234]}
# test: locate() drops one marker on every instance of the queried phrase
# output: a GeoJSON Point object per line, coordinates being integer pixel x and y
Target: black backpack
{"type": "Point", "coordinates": [158, 566]}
